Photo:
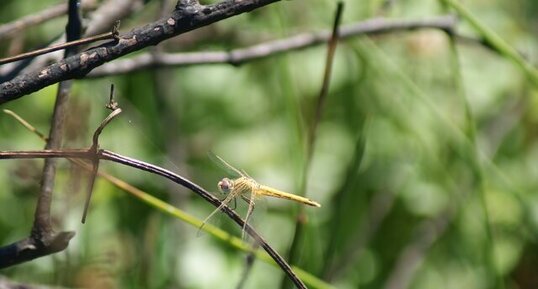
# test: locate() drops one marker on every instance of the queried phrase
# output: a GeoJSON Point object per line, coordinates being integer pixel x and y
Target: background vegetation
{"type": "Point", "coordinates": [424, 162]}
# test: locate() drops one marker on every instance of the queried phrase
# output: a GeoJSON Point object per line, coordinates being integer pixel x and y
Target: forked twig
{"type": "Point", "coordinates": [116, 110]}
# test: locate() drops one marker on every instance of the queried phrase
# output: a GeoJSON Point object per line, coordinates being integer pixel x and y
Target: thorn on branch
{"type": "Point", "coordinates": [115, 30]}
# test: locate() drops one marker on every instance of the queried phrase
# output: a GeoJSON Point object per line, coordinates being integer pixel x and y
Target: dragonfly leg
{"type": "Point", "coordinates": [247, 200]}
{"type": "Point", "coordinates": [234, 205]}
{"type": "Point", "coordinates": [249, 213]}
{"type": "Point", "coordinates": [222, 204]}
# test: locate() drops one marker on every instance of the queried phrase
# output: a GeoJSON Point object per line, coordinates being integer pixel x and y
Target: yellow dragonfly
{"type": "Point", "coordinates": [248, 189]}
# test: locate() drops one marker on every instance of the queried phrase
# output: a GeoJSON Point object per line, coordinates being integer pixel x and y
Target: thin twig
{"type": "Point", "coordinates": [259, 51]}
{"type": "Point", "coordinates": [326, 81]}
{"type": "Point", "coordinates": [26, 124]}
{"type": "Point", "coordinates": [311, 137]}
{"type": "Point", "coordinates": [110, 35]}
{"type": "Point", "coordinates": [42, 226]}
{"type": "Point", "coordinates": [113, 105]}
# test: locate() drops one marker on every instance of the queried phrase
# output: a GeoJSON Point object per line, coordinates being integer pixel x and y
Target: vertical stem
{"type": "Point", "coordinates": [42, 221]}
{"type": "Point", "coordinates": [311, 137]}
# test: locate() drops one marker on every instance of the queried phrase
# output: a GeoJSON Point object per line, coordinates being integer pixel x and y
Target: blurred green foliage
{"type": "Point", "coordinates": [424, 163]}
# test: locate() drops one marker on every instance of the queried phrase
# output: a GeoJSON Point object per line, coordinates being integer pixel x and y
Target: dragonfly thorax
{"type": "Point", "coordinates": [226, 185]}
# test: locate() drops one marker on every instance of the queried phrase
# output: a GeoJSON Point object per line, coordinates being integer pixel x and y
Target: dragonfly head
{"type": "Point", "coordinates": [225, 185]}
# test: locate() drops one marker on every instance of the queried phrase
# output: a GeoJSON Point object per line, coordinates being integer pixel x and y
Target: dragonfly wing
{"type": "Point", "coordinates": [223, 164]}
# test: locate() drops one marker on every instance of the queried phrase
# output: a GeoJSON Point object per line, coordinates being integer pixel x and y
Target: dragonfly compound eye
{"type": "Point", "coordinates": [225, 185]}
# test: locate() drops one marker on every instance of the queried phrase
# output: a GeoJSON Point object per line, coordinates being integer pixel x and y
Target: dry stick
{"type": "Point", "coordinates": [26, 124]}
{"type": "Point", "coordinates": [137, 164]}
{"type": "Point", "coordinates": [110, 35]}
{"type": "Point", "coordinates": [259, 51]}
{"type": "Point", "coordinates": [42, 214]}
{"type": "Point", "coordinates": [295, 245]}
{"type": "Point", "coordinates": [95, 146]}
{"type": "Point", "coordinates": [186, 16]}
{"type": "Point", "coordinates": [326, 81]}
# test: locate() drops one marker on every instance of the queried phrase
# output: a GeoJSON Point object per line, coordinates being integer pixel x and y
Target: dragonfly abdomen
{"type": "Point", "coordinates": [268, 191]}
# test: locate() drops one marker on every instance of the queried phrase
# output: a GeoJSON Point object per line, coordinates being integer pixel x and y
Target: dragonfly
{"type": "Point", "coordinates": [248, 189]}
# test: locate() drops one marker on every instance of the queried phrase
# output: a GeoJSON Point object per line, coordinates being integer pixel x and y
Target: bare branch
{"type": "Point", "coordinates": [263, 50]}
{"type": "Point", "coordinates": [105, 36]}
{"type": "Point", "coordinates": [185, 17]}
{"type": "Point", "coordinates": [30, 248]}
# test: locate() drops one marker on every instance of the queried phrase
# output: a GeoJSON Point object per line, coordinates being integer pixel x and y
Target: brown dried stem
{"type": "Point", "coordinates": [311, 137]}
{"type": "Point", "coordinates": [110, 35]}
{"type": "Point", "coordinates": [259, 51]}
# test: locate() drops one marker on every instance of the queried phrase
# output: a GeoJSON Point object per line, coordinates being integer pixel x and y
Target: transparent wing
{"type": "Point", "coordinates": [224, 165]}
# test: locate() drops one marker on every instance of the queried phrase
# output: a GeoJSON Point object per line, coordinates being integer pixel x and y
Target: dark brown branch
{"type": "Point", "coordinates": [263, 50]}
{"type": "Point", "coordinates": [31, 248]}
{"type": "Point", "coordinates": [186, 17]}
{"type": "Point", "coordinates": [117, 158]}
